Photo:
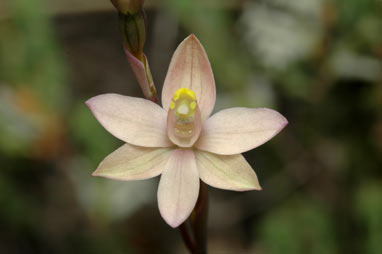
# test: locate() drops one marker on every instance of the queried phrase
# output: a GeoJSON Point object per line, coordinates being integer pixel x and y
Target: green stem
{"type": "Point", "coordinates": [194, 230]}
{"type": "Point", "coordinates": [199, 218]}
{"type": "Point", "coordinates": [185, 232]}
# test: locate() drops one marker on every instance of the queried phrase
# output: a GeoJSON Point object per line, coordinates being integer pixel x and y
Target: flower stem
{"type": "Point", "coordinates": [194, 230]}
{"type": "Point", "coordinates": [185, 232]}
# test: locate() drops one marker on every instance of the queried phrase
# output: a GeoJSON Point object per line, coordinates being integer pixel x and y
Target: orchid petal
{"type": "Point", "coordinates": [133, 163]}
{"type": "Point", "coordinates": [230, 172]}
{"type": "Point", "coordinates": [236, 130]}
{"type": "Point", "coordinates": [178, 187]}
{"type": "Point", "coordinates": [190, 68]}
{"type": "Point", "coordinates": [134, 120]}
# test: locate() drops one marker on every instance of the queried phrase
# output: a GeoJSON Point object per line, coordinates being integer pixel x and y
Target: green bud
{"type": "Point", "coordinates": [128, 6]}
{"type": "Point", "coordinates": [133, 28]}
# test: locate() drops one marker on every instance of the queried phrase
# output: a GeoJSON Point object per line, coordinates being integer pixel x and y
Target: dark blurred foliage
{"type": "Point", "coordinates": [318, 62]}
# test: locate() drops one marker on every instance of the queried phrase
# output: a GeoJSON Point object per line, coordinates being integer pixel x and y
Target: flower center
{"type": "Point", "coordinates": [183, 106]}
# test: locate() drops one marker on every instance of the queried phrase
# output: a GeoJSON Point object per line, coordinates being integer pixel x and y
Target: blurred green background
{"type": "Point", "coordinates": [318, 62]}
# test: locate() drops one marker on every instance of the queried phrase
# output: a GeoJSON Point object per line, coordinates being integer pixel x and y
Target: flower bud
{"type": "Point", "coordinates": [133, 29]}
{"type": "Point", "coordinates": [127, 6]}
{"type": "Point", "coordinates": [142, 73]}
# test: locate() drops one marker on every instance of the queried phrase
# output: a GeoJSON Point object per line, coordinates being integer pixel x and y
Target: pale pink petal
{"type": "Point", "coordinates": [236, 130]}
{"type": "Point", "coordinates": [173, 130]}
{"type": "Point", "coordinates": [134, 120]}
{"type": "Point", "coordinates": [178, 187]}
{"type": "Point", "coordinates": [190, 68]}
{"type": "Point", "coordinates": [230, 172]}
{"type": "Point", "coordinates": [143, 75]}
{"type": "Point", "coordinates": [131, 162]}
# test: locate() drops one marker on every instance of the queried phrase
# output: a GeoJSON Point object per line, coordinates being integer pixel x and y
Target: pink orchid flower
{"type": "Point", "coordinates": [180, 140]}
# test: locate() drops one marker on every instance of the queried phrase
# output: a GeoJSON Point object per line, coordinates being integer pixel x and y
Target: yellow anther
{"type": "Point", "coordinates": [184, 104]}
{"type": "Point", "coordinates": [191, 94]}
{"type": "Point", "coordinates": [184, 92]}
{"type": "Point", "coordinates": [176, 95]}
